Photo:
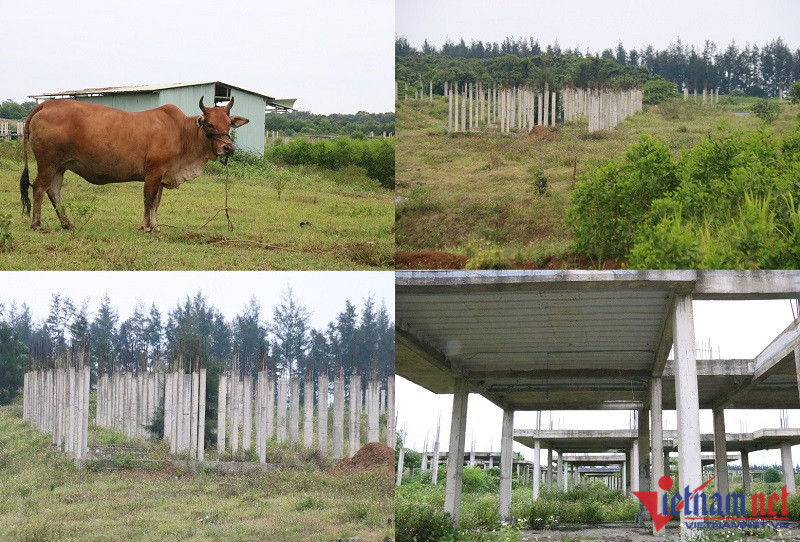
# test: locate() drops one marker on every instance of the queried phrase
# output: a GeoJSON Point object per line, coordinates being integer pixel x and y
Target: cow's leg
{"type": "Point", "coordinates": [152, 196]}
{"type": "Point", "coordinates": [42, 183]}
{"type": "Point", "coordinates": [54, 193]}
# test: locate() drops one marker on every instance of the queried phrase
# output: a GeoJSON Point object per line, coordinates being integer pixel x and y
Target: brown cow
{"type": "Point", "coordinates": [161, 147]}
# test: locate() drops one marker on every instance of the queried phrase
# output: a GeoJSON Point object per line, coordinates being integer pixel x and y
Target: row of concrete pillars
{"type": "Point", "coordinates": [245, 401]}
{"type": "Point", "coordinates": [185, 412]}
{"type": "Point", "coordinates": [56, 401]}
{"type": "Point", "coordinates": [710, 96]}
{"type": "Point", "coordinates": [127, 403]}
{"type": "Point", "coordinates": [605, 110]}
{"type": "Point", "coordinates": [509, 108]}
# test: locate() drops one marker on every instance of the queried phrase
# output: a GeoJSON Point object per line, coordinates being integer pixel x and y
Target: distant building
{"type": "Point", "coordinates": [186, 96]}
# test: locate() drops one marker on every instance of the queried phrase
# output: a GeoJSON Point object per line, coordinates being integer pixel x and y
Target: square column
{"type": "Point", "coordinates": [687, 400]}
{"type": "Point", "coordinates": [548, 476]}
{"type": "Point", "coordinates": [722, 483]}
{"type": "Point", "coordinates": [746, 472]}
{"type": "Point", "coordinates": [506, 459]}
{"type": "Point", "coordinates": [536, 468]}
{"type": "Point", "coordinates": [656, 437]}
{"type": "Point", "coordinates": [455, 453]}
{"type": "Point", "coordinates": [559, 471]}
{"type": "Point", "coordinates": [635, 466]}
{"type": "Point", "coordinates": [788, 466]}
{"type": "Point", "coordinates": [623, 478]}
{"type": "Point", "coordinates": [643, 427]}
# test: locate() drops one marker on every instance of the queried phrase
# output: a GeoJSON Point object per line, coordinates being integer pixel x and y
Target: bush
{"type": "Point", "coordinates": [422, 524]}
{"type": "Point", "coordinates": [766, 110]}
{"type": "Point", "coordinates": [658, 90]}
{"type": "Point", "coordinates": [488, 259]}
{"type": "Point", "coordinates": [772, 475]}
{"type": "Point", "coordinates": [794, 93]}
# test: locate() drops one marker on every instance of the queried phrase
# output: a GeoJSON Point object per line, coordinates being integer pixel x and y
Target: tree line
{"type": "Point", "coordinates": [281, 340]}
{"type": "Point", "coordinates": [305, 122]}
{"type": "Point", "coordinates": [763, 71]}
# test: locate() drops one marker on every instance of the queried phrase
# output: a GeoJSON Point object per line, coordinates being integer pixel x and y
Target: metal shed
{"type": "Point", "coordinates": [249, 104]}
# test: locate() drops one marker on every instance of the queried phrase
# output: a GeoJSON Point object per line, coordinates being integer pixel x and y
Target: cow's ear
{"type": "Point", "coordinates": [238, 121]}
{"type": "Point", "coordinates": [199, 121]}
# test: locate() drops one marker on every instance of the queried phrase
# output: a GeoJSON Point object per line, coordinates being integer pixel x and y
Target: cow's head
{"type": "Point", "coordinates": [216, 123]}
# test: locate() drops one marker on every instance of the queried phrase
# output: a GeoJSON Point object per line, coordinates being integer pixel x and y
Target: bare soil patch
{"type": "Point", "coordinates": [374, 455]}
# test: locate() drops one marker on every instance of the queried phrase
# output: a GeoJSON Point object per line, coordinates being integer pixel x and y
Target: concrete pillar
{"type": "Point", "coordinates": [322, 412]}
{"type": "Point", "coordinates": [623, 477]}
{"type": "Point", "coordinates": [788, 466]}
{"type": "Point", "coordinates": [400, 459]}
{"type": "Point", "coordinates": [746, 472]}
{"type": "Point", "coordinates": [455, 454]}
{"type": "Point", "coordinates": [449, 112]}
{"type": "Point", "coordinates": [635, 485]}
{"type": "Point", "coordinates": [201, 417]}
{"type": "Point", "coordinates": [308, 410]}
{"type": "Point", "coordinates": [373, 415]}
{"type": "Point", "coordinates": [560, 472]}
{"type": "Point", "coordinates": [643, 416]}
{"type": "Point", "coordinates": [548, 473]}
{"type": "Point", "coordinates": [537, 448]}
{"type": "Point", "coordinates": [686, 398]}
{"type": "Point", "coordinates": [506, 461]}
{"type": "Point", "coordinates": [354, 433]}
{"type": "Point", "coordinates": [553, 109]}
{"type": "Point", "coordinates": [235, 393]}
{"type": "Point", "coordinates": [435, 462]}
{"type": "Point", "coordinates": [194, 404]}
{"type": "Point", "coordinates": [390, 411]}
{"type": "Point", "coordinates": [338, 417]}
{"type": "Point", "coordinates": [657, 440]}
{"type": "Point", "coordinates": [269, 410]}
{"type": "Point", "coordinates": [294, 410]}
{"type": "Point", "coordinates": [721, 482]}
{"type": "Point", "coordinates": [281, 406]}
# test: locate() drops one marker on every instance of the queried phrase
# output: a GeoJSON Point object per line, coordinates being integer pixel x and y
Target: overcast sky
{"type": "Point", "coordinates": [334, 57]}
{"type": "Point", "coordinates": [323, 293]}
{"type": "Point", "coordinates": [600, 25]}
{"type": "Point", "coordinates": [740, 329]}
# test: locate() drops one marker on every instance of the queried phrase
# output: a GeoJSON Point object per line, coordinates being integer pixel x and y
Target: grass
{"type": "Point", "coordinates": [469, 193]}
{"type": "Point", "coordinates": [44, 498]}
{"type": "Point", "coordinates": [350, 216]}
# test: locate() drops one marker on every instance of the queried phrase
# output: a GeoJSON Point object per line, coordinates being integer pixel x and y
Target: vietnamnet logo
{"type": "Point", "coordinates": [716, 511]}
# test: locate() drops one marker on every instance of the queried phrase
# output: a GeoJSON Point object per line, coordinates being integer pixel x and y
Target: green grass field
{"type": "Point", "coordinates": [351, 217]}
{"type": "Point", "coordinates": [473, 193]}
{"type": "Point", "coordinates": [43, 498]}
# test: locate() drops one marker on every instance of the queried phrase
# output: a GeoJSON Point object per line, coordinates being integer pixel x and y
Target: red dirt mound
{"type": "Point", "coordinates": [374, 455]}
{"type": "Point", "coordinates": [543, 133]}
{"type": "Point", "coordinates": [428, 260]}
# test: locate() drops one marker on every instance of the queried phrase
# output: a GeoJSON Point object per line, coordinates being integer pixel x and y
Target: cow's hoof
{"type": "Point", "coordinates": [67, 226]}
{"type": "Point", "coordinates": [36, 227]}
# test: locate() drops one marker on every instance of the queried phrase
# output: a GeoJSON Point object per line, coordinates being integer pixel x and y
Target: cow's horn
{"type": "Point", "coordinates": [229, 106]}
{"type": "Point", "coordinates": [202, 107]}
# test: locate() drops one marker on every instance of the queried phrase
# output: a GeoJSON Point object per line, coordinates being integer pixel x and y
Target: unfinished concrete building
{"type": "Point", "coordinates": [590, 340]}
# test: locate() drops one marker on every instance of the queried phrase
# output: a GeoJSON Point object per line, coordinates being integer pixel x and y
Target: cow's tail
{"type": "Point", "coordinates": [24, 181]}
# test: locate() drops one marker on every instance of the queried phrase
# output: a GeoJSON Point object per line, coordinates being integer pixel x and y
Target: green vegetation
{"type": "Point", "coordinates": [284, 217]}
{"type": "Point", "coordinates": [658, 90]}
{"type": "Point", "coordinates": [10, 109]}
{"type": "Point", "coordinates": [470, 193]}
{"type": "Point", "coordinates": [44, 498]}
{"type": "Point", "coordinates": [772, 475]}
{"type": "Point", "coordinates": [376, 156]}
{"type": "Point", "coordinates": [794, 93]}
{"type": "Point", "coordinates": [305, 122]}
{"type": "Point", "coordinates": [767, 110]}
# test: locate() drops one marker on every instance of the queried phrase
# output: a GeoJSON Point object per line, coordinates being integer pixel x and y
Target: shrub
{"type": "Point", "coordinates": [658, 90]}
{"type": "Point", "coordinates": [766, 110]}
{"type": "Point", "coordinates": [794, 93]}
{"type": "Point", "coordinates": [488, 259]}
{"type": "Point", "coordinates": [772, 475]}
{"type": "Point", "coordinates": [422, 524]}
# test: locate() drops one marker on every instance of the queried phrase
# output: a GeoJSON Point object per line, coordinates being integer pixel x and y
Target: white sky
{"type": "Point", "coordinates": [323, 293]}
{"type": "Point", "coordinates": [740, 329]}
{"type": "Point", "coordinates": [335, 57]}
{"type": "Point", "coordinates": [600, 25]}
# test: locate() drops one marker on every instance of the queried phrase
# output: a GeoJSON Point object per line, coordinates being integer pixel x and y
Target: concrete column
{"type": "Point", "coordinates": [537, 448]}
{"type": "Point", "coordinates": [390, 411]}
{"type": "Point", "coordinates": [195, 403]}
{"type": "Point", "coordinates": [746, 472]}
{"type": "Point", "coordinates": [506, 460]}
{"type": "Point", "coordinates": [355, 430]}
{"type": "Point", "coordinates": [449, 112]}
{"type": "Point", "coordinates": [308, 409]}
{"type": "Point", "coordinates": [373, 415]}
{"type": "Point", "coordinates": [635, 466]}
{"type": "Point", "coordinates": [435, 463]}
{"type": "Point", "coordinates": [235, 395]}
{"type": "Point", "coordinates": [338, 417]}
{"type": "Point", "coordinates": [294, 410]}
{"type": "Point", "coordinates": [400, 459]}
{"type": "Point", "coordinates": [643, 416]}
{"type": "Point", "coordinates": [657, 440]}
{"type": "Point", "coordinates": [455, 454]}
{"type": "Point", "coordinates": [322, 412]}
{"type": "Point", "coordinates": [560, 472]}
{"type": "Point", "coordinates": [548, 473]}
{"type": "Point", "coordinates": [686, 398]}
{"type": "Point", "coordinates": [623, 477]}
{"type": "Point", "coordinates": [222, 400]}
{"type": "Point", "coordinates": [721, 482]}
{"type": "Point", "coordinates": [201, 417]}
{"type": "Point", "coordinates": [788, 466]}
{"type": "Point", "coordinates": [281, 406]}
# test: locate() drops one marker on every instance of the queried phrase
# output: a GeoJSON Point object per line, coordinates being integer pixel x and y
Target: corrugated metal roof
{"type": "Point", "coordinates": [284, 103]}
